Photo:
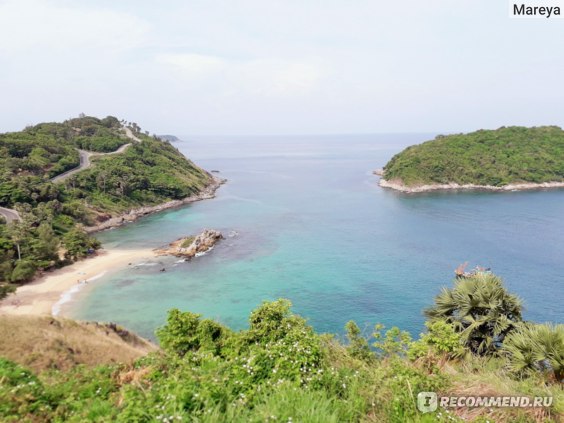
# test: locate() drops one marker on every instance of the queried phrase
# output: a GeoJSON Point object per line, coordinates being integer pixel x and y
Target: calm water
{"type": "Point", "coordinates": [310, 224]}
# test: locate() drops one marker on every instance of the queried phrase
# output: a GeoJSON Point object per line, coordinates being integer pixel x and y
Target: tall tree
{"type": "Point", "coordinates": [47, 243]}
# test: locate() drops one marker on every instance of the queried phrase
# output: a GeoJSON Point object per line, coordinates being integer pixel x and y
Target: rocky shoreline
{"type": "Point", "coordinates": [206, 194]}
{"type": "Point", "coordinates": [399, 186]}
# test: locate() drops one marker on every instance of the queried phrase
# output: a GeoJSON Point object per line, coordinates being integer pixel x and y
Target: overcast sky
{"type": "Point", "coordinates": [280, 67]}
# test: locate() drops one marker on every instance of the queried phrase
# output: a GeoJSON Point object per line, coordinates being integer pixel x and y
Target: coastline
{"type": "Point", "coordinates": [525, 186]}
{"type": "Point", "coordinates": [46, 294]}
{"type": "Point", "coordinates": [207, 193]}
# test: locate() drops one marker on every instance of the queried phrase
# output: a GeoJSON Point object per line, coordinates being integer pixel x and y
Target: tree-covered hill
{"type": "Point", "coordinates": [508, 155]}
{"type": "Point", "coordinates": [149, 172]}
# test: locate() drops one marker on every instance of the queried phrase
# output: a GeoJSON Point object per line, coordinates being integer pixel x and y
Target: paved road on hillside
{"type": "Point", "coordinates": [9, 214]}
{"type": "Point", "coordinates": [84, 164]}
{"type": "Point", "coordinates": [86, 155]}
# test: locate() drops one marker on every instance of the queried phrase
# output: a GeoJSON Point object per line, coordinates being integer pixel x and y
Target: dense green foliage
{"type": "Point", "coordinates": [49, 235]}
{"type": "Point", "coordinates": [533, 348]}
{"type": "Point", "coordinates": [499, 157]}
{"type": "Point", "coordinates": [147, 173]}
{"type": "Point", "coordinates": [278, 369]}
{"type": "Point", "coordinates": [480, 308]}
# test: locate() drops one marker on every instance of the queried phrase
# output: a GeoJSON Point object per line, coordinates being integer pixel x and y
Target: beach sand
{"type": "Point", "coordinates": [45, 295]}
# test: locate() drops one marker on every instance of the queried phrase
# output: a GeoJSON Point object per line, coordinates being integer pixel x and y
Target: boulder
{"type": "Point", "coordinates": [191, 246]}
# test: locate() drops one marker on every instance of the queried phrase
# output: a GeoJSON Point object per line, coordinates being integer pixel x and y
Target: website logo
{"type": "Point", "coordinates": [427, 401]}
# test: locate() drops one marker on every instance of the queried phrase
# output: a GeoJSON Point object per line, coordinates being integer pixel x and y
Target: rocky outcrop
{"type": "Point", "coordinates": [192, 246]}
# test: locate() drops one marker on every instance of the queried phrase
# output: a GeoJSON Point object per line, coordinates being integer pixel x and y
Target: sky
{"type": "Point", "coordinates": [242, 67]}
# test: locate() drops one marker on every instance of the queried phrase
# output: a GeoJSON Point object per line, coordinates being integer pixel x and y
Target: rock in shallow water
{"type": "Point", "coordinates": [190, 246]}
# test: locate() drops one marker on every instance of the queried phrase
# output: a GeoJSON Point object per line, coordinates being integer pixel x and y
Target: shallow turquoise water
{"type": "Point", "coordinates": [313, 226]}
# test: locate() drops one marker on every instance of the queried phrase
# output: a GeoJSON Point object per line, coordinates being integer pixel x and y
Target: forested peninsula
{"type": "Point", "coordinates": [58, 179]}
{"type": "Point", "coordinates": [508, 158]}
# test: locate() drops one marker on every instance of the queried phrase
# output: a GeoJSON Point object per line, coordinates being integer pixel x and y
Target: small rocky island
{"type": "Point", "coordinates": [191, 246]}
{"type": "Point", "coordinates": [505, 159]}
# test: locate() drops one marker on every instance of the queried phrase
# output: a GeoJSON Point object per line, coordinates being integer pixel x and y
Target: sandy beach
{"type": "Point", "coordinates": [45, 294]}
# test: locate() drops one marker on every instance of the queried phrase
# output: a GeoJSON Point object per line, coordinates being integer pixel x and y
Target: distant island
{"type": "Point", "coordinates": [508, 158]}
{"type": "Point", "coordinates": [169, 138]}
{"type": "Point", "coordinates": [62, 181]}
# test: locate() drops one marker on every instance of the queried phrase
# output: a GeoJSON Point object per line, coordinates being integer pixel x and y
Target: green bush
{"type": "Point", "coordinates": [481, 309]}
{"type": "Point", "coordinates": [23, 271]}
{"type": "Point", "coordinates": [536, 348]}
{"type": "Point", "coordinates": [441, 338]}
{"type": "Point", "coordinates": [22, 395]}
{"type": "Point", "coordinates": [185, 332]}
{"type": "Point", "coordinates": [278, 370]}
{"type": "Point", "coordinates": [78, 243]}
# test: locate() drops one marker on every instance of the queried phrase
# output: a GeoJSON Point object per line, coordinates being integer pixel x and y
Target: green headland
{"type": "Point", "coordinates": [59, 181]}
{"type": "Point", "coordinates": [502, 159]}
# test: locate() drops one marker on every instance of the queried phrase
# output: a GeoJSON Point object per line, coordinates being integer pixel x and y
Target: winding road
{"type": "Point", "coordinates": [10, 214]}
{"type": "Point", "coordinates": [86, 155]}
{"type": "Point", "coordinates": [84, 164]}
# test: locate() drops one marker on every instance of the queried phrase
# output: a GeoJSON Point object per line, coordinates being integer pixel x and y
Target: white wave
{"type": "Point", "coordinates": [98, 276]}
{"type": "Point", "coordinates": [68, 294]}
{"type": "Point", "coordinates": [203, 252]}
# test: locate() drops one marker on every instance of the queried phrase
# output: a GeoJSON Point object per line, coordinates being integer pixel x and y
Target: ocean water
{"type": "Point", "coordinates": [304, 219]}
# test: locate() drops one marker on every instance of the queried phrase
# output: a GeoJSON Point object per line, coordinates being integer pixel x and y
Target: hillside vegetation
{"type": "Point", "coordinates": [280, 370]}
{"type": "Point", "coordinates": [44, 342]}
{"type": "Point", "coordinates": [147, 173]}
{"type": "Point", "coordinates": [496, 158]}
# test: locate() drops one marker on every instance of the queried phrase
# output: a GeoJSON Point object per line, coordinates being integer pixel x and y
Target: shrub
{"type": "Point", "coordinates": [441, 338]}
{"type": "Point", "coordinates": [481, 309]}
{"type": "Point", "coordinates": [536, 348]}
{"type": "Point", "coordinates": [185, 332]}
{"type": "Point", "coordinates": [23, 271]}
{"type": "Point", "coordinates": [358, 345]}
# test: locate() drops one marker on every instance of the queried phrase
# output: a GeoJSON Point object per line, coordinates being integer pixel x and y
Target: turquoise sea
{"type": "Point", "coordinates": [304, 219]}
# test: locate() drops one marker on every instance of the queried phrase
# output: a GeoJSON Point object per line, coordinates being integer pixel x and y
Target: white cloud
{"type": "Point", "coordinates": [279, 77]}
{"type": "Point", "coordinates": [257, 77]}
{"type": "Point", "coordinates": [276, 66]}
{"type": "Point", "coordinates": [32, 26]}
{"type": "Point", "coordinates": [192, 64]}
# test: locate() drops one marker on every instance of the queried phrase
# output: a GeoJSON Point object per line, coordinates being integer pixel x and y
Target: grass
{"type": "Point", "coordinates": [187, 242]}
{"type": "Point", "coordinates": [44, 342]}
{"type": "Point", "coordinates": [278, 370]}
{"type": "Point", "coordinates": [479, 376]}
